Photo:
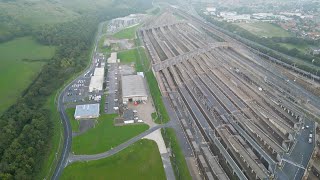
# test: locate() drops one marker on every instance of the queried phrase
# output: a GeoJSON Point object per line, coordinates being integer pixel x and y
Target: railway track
{"type": "Point", "coordinates": [228, 110]}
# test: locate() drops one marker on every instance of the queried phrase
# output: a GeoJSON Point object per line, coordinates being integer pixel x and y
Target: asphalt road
{"type": "Point", "coordinates": [65, 120]}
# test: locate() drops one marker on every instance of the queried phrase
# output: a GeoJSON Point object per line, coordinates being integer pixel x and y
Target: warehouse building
{"type": "Point", "coordinates": [133, 88]}
{"type": "Point", "coordinates": [96, 82]}
{"type": "Point", "coordinates": [98, 72]}
{"type": "Point", "coordinates": [87, 111]}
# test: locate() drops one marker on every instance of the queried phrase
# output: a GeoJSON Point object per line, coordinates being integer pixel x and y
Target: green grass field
{"type": "Point", "coordinates": [140, 161]}
{"type": "Point", "coordinates": [264, 29]}
{"type": "Point", "coordinates": [15, 73]}
{"type": "Point", "coordinates": [128, 33]}
{"type": "Point", "coordinates": [128, 56]}
{"type": "Point", "coordinates": [292, 46]}
{"type": "Point", "coordinates": [74, 123]}
{"type": "Point", "coordinates": [105, 136]}
{"type": "Point", "coordinates": [178, 162]}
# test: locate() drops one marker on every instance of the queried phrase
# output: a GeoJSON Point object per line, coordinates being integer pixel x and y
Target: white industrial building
{"type": "Point", "coordinates": [87, 111]}
{"type": "Point", "coordinates": [96, 82]}
{"type": "Point", "coordinates": [133, 88]}
{"type": "Point", "coordinates": [98, 72]}
{"type": "Point", "coordinates": [113, 58]}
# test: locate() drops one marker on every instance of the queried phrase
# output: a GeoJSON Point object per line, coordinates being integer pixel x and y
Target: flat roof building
{"type": "Point", "coordinates": [96, 83]}
{"type": "Point", "coordinates": [87, 111]}
{"type": "Point", "coordinates": [133, 88]}
{"type": "Point", "coordinates": [98, 72]}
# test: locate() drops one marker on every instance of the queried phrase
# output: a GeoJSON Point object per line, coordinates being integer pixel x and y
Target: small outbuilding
{"type": "Point", "coordinates": [87, 111]}
{"type": "Point", "coordinates": [133, 88]}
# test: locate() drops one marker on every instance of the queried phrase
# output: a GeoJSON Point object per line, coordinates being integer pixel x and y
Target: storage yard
{"type": "Point", "coordinates": [241, 116]}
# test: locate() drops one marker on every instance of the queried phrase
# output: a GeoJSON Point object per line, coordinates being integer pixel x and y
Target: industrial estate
{"type": "Point", "coordinates": [239, 115]}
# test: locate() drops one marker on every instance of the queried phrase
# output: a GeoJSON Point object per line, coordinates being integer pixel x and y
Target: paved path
{"type": "Point", "coordinates": [74, 158]}
{"type": "Point", "coordinates": [165, 155]}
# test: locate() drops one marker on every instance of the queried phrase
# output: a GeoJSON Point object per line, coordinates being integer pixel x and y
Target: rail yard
{"type": "Point", "coordinates": [242, 117]}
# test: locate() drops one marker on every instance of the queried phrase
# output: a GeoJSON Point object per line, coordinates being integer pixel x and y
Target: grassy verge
{"type": "Point", "coordinates": [55, 147]}
{"type": "Point", "coordinates": [178, 161]}
{"type": "Point", "coordinates": [74, 123]}
{"type": "Point", "coordinates": [163, 116]}
{"type": "Point", "coordinates": [141, 160]}
{"type": "Point", "coordinates": [105, 136]}
{"type": "Point", "coordinates": [128, 33]}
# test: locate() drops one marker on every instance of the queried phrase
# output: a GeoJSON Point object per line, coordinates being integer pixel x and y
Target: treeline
{"type": "Point", "coordinates": [272, 43]}
{"type": "Point", "coordinates": [26, 127]}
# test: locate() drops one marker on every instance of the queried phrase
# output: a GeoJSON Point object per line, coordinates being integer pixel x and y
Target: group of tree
{"type": "Point", "coordinates": [272, 45]}
{"type": "Point", "coordinates": [26, 127]}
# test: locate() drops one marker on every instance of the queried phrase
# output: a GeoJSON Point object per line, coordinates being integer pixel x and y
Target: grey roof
{"type": "Point", "coordinates": [87, 111]}
{"type": "Point", "coordinates": [133, 85]}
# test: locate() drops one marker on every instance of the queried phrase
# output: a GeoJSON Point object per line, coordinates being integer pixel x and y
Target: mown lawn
{"type": "Point", "coordinates": [140, 161]}
{"type": "Point", "coordinates": [74, 123]}
{"type": "Point", "coordinates": [128, 33]}
{"type": "Point", "coordinates": [128, 56]}
{"type": "Point", "coordinates": [264, 29]}
{"type": "Point", "coordinates": [105, 136]}
{"type": "Point", "coordinates": [178, 162]}
{"type": "Point", "coordinates": [15, 73]}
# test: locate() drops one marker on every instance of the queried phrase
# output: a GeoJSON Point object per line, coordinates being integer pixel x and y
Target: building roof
{"type": "Point", "coordinates": [99, 72]}
{"type": "Point", "coordinates": [96, 83]}
{"type": "Point", "coordinates": [87, 111]}
{"type": "Point", "coordinates": [133, 85]}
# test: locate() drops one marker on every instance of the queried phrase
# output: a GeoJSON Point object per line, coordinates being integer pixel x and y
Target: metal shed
{"type": "Point", "coordinates": [133, 88]}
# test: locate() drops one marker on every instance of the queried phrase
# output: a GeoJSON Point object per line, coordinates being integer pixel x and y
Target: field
{"type": "Point", "coordinates": [302, 48]}
{"type": "Point", "coordinates": [105, 136]}
{"type": "Point", "coordinates": [16, 73]}
{"type": "Point", "coordinates": [264, 29]}
{"type": "Point", "coordinates": [178, 161]}
{"type": "Point", "coordinates": [74, 123]}
{"type": "Point", "coordinates": [139, 161]}
{"type": "Point", "coordinates": [128, 56]}
{"type": "Point", "coordinates": [128, 33]}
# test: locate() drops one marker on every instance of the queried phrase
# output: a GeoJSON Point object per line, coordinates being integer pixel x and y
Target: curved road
{"type": "Point", "coordinates": [64, 118]}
